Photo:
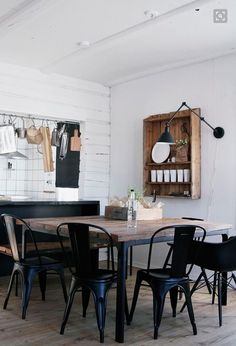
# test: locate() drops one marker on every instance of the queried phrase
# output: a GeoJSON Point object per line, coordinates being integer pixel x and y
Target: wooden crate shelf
{"type": "Point", "coordinates": [185, 125]}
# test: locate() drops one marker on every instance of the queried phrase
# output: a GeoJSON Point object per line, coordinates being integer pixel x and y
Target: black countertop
{"type": "Point", "coordinates": [45, 202]}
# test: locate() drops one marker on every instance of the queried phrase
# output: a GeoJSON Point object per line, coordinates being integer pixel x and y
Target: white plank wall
{"type": "Point", "coordinates": [28, 91]}
{"type": "Point", "coordinates": [96, 156]}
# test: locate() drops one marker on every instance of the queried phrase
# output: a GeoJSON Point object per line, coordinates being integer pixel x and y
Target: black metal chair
{"type": "Point", "coordinates": [202, 275]}
{"type": "Point", "coordinates": [27, 267]}
{"type": "Point", "coordinates": [169, 279]}
{"type": "Point", "coordinates": [84, 267]}
{"type": "Point", "coordinates": [219, 258]}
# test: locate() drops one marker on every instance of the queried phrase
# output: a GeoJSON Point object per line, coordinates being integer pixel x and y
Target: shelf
{"type": "Point", "coordinates": [170, 183]}
{"type": "Point", "coordinates": [168, 196]}
{"type": "Point", "coordinates": [153, 164]}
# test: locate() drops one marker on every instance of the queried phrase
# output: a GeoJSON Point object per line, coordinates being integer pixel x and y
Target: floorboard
{"type": "Point", "coordinates": [43, 320]}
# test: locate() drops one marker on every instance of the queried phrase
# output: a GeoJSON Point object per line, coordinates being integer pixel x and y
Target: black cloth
{"type": "Point", "coordinates": [67, 170]}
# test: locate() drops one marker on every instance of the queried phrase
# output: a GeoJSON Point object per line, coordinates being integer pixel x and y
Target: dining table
{"type": "Point", "coordinates": [125, 237]}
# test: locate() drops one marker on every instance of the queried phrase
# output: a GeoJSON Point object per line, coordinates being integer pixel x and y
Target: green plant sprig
{"type": "Point", "coordinates": [181, 142]}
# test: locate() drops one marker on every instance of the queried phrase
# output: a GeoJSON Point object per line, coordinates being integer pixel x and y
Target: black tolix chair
{"type": "Point", "coordinates": [28, 266]}
{"type": "Point", "coordinates": [164, 280]}
{"type": "Point", "coordinates": [202, 275]}
{"type": "Point", "coordinates": [84, 267]}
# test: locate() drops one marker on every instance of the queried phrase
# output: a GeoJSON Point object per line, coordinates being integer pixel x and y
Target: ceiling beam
{"type": "Point", "coordinates": [128, 31]}
{"type": "Point", "coordinates": [22, 13]}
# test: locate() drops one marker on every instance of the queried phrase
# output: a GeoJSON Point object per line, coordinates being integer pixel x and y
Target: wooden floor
{"type": "Point", "coordinates": [41, 326]}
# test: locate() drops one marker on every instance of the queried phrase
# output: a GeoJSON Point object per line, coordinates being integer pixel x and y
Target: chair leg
{"type": "Point", "coordinates": [158, 306]}
{"type": "Point", "coordinates": [85, 299]}
{"type": "Point", "coordinates": [214, 288]}
{"type": "Point", "coordinates": [173, 299]}
{"type": "Point", "coordinates": [69, 303]}
{"type": "Point", "coordinates": [100, 299]}
{"type": "Point", "coordinates": [17, 281]}
{"type": "Point", "coordinates": [193, 289]}
{"type": "Point", "coordinates": [108, 258]}
{"type": "Point", "coordinates": [187, 293]}
{"type": "Point", "coordinates": [219, 280]}
{"type": "Point", "coordinates": [27, 280]}
{"type": "Point", "coordinates": [180, 293]}
{"type": "Point", "coordinates": [135, 297]}
{"type": "Point", "coordinates": [206, 280]}
{"type": "Point", "coordinates": [42, 282]}
{"type": "Point", "coordinates": [234, 277]}
{"type": "Point", "coordinates": [100, 305]}
{"type": "Point", "coordinates": [14, 273]}
{"type": "Point", "coordinates": [63, 283]}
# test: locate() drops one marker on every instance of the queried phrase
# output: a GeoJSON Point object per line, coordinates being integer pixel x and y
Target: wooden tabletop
{"type": "Point", "coordinates": [119, 230]}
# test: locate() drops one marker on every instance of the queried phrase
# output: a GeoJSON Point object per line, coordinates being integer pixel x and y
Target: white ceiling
{"type": "Point", "coordinates": [124, 43]}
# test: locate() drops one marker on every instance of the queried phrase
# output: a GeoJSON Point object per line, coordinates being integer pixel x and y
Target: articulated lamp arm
{"type": "Point", "coordinates": [166, 137]}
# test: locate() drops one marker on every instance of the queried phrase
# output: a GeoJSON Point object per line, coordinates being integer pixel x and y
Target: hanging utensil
{"type": "Point", "coordinates": [64, 145]}
{"type": "Point", "coordinates": [34, 135]}
{"type": "Point", "coordinates": [75, 142]}
{"type": "Point", "coordinates": [55, 139]}
{"type": "Point", "coordinates": [21, 131]}
{"type": "Point", "coordinates": [61, 130]}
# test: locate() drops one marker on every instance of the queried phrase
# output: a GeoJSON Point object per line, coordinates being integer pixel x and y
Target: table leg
{"type": "Point", "coordinates": [120, 297]}
{"type": "Point", "coordinates": [224, 281]}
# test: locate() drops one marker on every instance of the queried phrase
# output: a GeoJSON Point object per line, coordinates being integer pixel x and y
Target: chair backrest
{"type": "Point", "coordinates": [84, 238]}
{"type": "Point", "coordinates": [10, 224]}
{"type": "Point", "coordinates": [183, 238]}
{"type": "Point", "coordinates": [191, 218]}
{"type": "Point", "coordinates": [216, 256]}
{"type": "Point", "coordinates": [191, 255]}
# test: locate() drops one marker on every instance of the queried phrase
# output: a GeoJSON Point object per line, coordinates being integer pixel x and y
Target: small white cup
{"type": "Point", "coordinates": [166, 175]}
{"type": "Point", "coordinates": [153, 176]}
{"type": "Point", "coordinates": [180, 175]}
{"type": "Point", "coordinates": [159, 175]}
{"type": "Point", "coordinates": [173, 175]}
{"type": "Point", "coordinates": [186, 175]}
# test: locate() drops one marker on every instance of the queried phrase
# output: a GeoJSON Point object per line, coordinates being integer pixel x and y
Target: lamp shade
{"type": "Point", "coordinates": [166, 137]}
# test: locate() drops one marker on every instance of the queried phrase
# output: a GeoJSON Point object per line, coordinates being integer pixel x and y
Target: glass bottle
{"type": "Point", "coordinates": [132, 210]}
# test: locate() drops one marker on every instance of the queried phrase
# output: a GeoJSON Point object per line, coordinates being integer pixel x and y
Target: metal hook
{"type": "Point", "coordinates": [32, 119]}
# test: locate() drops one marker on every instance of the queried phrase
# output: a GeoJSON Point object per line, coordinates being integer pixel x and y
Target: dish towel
{"type": "Point", "coordinates": [7, 139]}
{"type": "Point", "coordinates": [47, 150]}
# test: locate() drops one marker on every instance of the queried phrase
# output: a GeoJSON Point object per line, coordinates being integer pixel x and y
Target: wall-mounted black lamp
{"type": "Point", "coordinates": [166, 136]}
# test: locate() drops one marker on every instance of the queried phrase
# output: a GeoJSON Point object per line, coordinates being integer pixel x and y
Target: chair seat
{"type": "Point", "coordinates": [34, 261]}
{"type": "Point", "coordinates": [42, 247]}
{"type": "Point", "coordinates": [99, 275]}
{"type": "Point", "coordinates": [161, 274]}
